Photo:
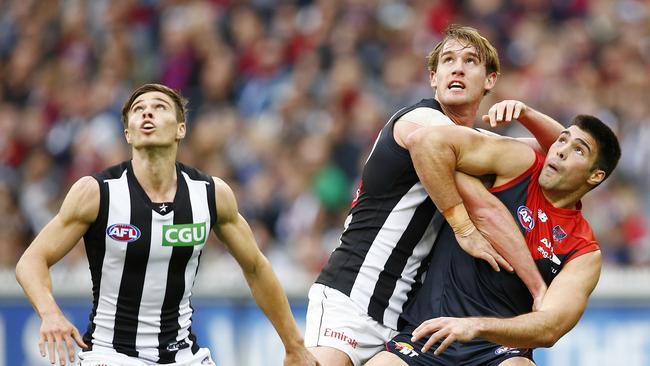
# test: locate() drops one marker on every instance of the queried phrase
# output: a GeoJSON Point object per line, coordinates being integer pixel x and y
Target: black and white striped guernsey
{"type": "Point", "coordinates": [389, 233]}
{"type": "Point", "coordinates": [143, 260]}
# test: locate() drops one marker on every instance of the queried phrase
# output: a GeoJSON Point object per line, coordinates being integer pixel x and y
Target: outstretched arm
{"type": "Point", "coordinates": [544, 128]}
{"type": "Point", "coordinates": [58, 237]}
{"type": "Point", "coordinates": [234, 232]}
{"type": "Point", "coordinates": [563, 305]}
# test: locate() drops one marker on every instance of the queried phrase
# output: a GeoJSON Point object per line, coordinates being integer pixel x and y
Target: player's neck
{"type": "Point", "coordinates": [155, 170]}
{"type": "Point", "coordinates": [462, 115]}
{"type": "Point", "coordinates": [562, 199]}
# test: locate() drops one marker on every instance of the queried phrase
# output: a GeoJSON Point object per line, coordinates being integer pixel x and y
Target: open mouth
{"type": "Point", "coordinates": [148, 126]}
{"type": "Point", "coordinates": [552, 167]}
{"type": "Point", "coordinates": [456, 85]}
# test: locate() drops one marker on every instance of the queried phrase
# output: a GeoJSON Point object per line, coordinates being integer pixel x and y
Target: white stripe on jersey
{"type": "Point", "coordinates": [198, 191]}
{"type": "Point", "coordinates": [155, 283]}
{"type": "Point", "coordinates": [385, 242]}
{"type": "Point", "coordinates": [421, 250]}
{"type": "Point", "coordinates": [113, 265]}
{"type": "Point", "coordinates": [374, 145]}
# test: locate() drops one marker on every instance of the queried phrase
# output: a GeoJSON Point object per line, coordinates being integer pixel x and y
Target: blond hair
{"type": "Point", "coordinates": [471, 37]}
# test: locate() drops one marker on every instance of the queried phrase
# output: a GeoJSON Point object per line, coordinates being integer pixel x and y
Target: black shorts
{"type": "Point", "coordinates": [474, 353]}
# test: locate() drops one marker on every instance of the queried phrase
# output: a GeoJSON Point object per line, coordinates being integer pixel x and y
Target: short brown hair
{"type": "Point", "coordinates": [470, 36]}
{"type": "Point", "coordinates": [179, 101]}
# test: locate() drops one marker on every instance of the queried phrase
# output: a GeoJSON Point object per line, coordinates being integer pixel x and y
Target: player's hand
{"type": "Point", "coordinates": [300, 356]}
{"type": "Point", "coordinates": [504, 112]}
{"type": "Point", "coordinates": [59, 334]}
{"type": "Point", "coordinates": [477, 246]}
{"type": "Point", "coordinates": [447, 330]}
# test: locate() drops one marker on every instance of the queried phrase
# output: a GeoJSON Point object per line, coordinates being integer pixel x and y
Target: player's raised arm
{"type": "Point", "coordinates": [58, 237]}
{"type": "Point", "coordinates": [235, 233]}
{"type": "Point", "coordinates": [544, 128]}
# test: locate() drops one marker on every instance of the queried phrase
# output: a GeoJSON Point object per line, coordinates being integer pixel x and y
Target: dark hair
{"type": "Point", "coordinates": [471, 37]}
{"type": "Point", "coordinates": [608, 148]}
{"type": "Point", "coordinates": [179, 101]}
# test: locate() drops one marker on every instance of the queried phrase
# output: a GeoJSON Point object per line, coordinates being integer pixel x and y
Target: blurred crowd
{"type": "Point", "coordinates": [287, 97]}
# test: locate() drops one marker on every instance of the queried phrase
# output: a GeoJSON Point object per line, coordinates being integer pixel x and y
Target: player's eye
{"type": "Point", "coordinates": [138, 108]}
{"type": "Point", "coordinates": [161, 106]}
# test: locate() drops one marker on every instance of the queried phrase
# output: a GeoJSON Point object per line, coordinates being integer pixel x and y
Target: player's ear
{"type": "Point", "coordinates": [596, 177]}
{"type": "Point", "coordinates": [127, 136]}
{"type": "Point", "coordinates": [181, 130]}
{"type": "Point", "coordinates": [432, 79]}
{"type": "Point", "coordinates": [490, 81]}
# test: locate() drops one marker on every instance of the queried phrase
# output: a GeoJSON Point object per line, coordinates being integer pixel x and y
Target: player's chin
{"type": "Point", "coordinates": [456, 98]}
{"type": "Point", "coordinates": [152, 143]}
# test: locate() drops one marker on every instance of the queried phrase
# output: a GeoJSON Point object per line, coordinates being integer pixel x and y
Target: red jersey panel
{"type": "Point", "coordinates": [554, 236]}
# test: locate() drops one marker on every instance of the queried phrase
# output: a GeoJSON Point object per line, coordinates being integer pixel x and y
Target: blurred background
{"type": "Point", "coordinates": [286, 99]}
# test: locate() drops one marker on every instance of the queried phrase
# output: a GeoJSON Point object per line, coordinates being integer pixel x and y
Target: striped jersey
{"type": "Point", "coordinates": [459, 285]}
{"type": "Point", "coordinates": [143, 259]}
{"type": "Point", "coordinates": [389, 232]}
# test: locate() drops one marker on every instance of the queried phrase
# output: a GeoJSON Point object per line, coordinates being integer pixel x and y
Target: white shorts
{"type": "Point", "coordinates": [103, 358]}
{"type": "Point", "coordinates": [334, 320]}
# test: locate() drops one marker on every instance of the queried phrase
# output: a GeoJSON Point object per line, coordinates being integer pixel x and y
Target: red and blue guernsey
{"type": "Point", "coordinates": [459, 285]}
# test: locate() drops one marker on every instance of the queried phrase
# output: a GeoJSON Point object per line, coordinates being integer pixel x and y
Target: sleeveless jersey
{"type": "Point", "coordinates": [459, 285]}
{"type": "Point", "coordinates": [143, 259]}
{"type": "Point", "coordinates": [389, 232]}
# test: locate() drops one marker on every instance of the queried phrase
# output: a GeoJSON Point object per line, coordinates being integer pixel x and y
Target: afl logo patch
{"type": "Point", "coordinates": [526, 218]}
{"type": "Point", "coordinates": [123, 232]}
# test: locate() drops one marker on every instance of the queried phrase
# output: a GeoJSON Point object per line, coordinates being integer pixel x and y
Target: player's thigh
{"type": "Point", "coordinates": [336, 325]}
{"type": "Point", "coordinates": [384, 358]}
{"type": "Point", "coordinates": [330, 356]}
{"type": "Point", "coordinates": [517, 361]}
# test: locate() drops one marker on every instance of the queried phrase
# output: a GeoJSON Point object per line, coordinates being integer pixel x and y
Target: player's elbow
{"type": "Point", "coordinates": [22, 268]}
{"type": "Point", "coordinates": [256, 267]}
{"type": "Point", "coordinates": [550, 336]}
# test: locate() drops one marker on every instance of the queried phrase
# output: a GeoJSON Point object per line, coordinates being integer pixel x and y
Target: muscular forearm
{"type": "Point", "coordinates": [498, 226]}
{"type": "Point", "coordinates": [536, 329]}
{"type": "Point", "coordinates": [34, 277]}
{"type": "Point", "coordinates": [270, 297]}
{"type": "Point", "coordinates": [544, 128]}
{"type": "Point", "coordinates": [495, 223]}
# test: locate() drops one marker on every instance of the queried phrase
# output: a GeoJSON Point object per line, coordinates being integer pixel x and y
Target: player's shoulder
{"type": "Point", "coordinates": [194, 173]}
{"type": "Point", "coordinates": [85, 187]}
{"type": "Point", "coordinates": [426, 116]}
{"type": "Point", "coordinates": [112, 172]}
{"type": "Point", "coordinates": [82, 201]}
{"type": "Point", "coordinates": [225, 200]}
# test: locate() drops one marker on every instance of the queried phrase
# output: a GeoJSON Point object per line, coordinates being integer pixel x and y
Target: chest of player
{"type": "Point", "coordinates": [156, 237]}
{"type": "Point", "coordinates": [548, 237]}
